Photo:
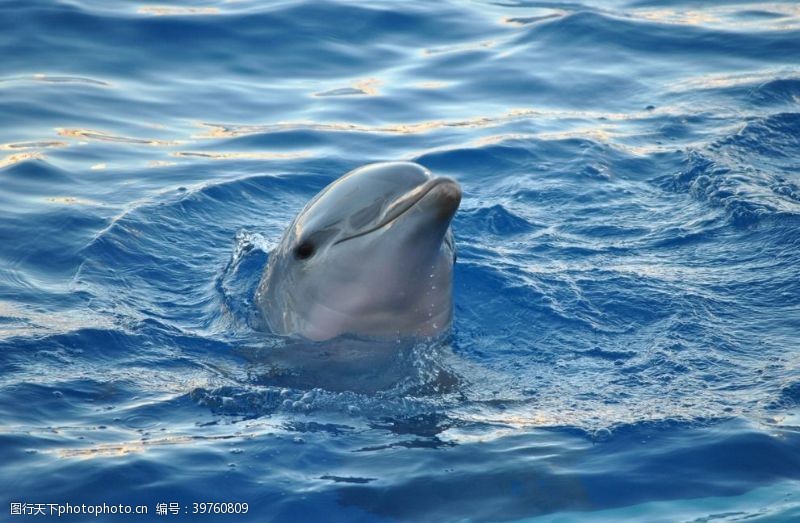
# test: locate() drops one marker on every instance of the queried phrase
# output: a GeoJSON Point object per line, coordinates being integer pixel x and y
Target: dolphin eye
{"type": "Point", "coordinates": [304, 251]}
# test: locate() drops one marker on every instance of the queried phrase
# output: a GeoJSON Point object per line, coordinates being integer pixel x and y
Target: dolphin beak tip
{"type": "Point", "coordinates": [448, 195]}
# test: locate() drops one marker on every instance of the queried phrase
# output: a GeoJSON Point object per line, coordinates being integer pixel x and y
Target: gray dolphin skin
{"type": "Point", "coordinates": [371, 255]}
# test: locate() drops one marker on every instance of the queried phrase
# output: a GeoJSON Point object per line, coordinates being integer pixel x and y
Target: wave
{"type": "Point", "coordinates": [591, 35]}
{"type": "Point", "coordinates": [748, 173]}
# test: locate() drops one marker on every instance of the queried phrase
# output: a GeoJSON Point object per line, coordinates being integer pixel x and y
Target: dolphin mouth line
{"type": "Point", "coordinates": [402, 205]}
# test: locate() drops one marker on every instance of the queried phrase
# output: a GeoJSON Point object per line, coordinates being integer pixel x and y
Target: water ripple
{"type": "Point", "coordinates": [626, 292]}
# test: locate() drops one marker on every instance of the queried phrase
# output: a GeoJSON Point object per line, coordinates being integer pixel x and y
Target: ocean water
{"type": "Point", "coordinates": [626, 343]}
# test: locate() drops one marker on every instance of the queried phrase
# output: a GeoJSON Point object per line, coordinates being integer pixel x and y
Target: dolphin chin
{"type": "Point", "coordinates": [371, 255]}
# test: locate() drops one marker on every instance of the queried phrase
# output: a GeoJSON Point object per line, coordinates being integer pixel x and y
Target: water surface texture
{"type": "Point", "coordinates": [626, 345]}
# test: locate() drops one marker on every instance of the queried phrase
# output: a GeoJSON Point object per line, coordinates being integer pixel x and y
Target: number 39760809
{"type": "Point", "coordinates": [220, 508]}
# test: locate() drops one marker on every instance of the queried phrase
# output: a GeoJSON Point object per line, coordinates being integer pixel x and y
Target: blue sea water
{"type": "Point", "coordinates": [626, 343]}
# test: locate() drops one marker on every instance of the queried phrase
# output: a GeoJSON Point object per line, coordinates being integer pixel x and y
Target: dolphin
{"type": "Point", "coordinates": [371, 255]}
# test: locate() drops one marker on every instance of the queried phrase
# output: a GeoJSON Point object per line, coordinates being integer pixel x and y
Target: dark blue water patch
{"type": "Point", "coordinates": [76, 343]}
{"type": "Point", "coordinates": [568, 487]}
{"type": "Point", "coordinates": [783, 91]}
{"type": "Point", "coordinates": [774, 136]}
{"type": "Point", "coordinates": [690, 3]}
{"type": "Point", "coordinates": [765, 457]}
{"type": "Point", "coordinates": [620, 36]}
{"type": "Point", "coordinates": [496, 220]}
{"type": "Point", "coordinates": [29, 175]}
{"type": "Point", "coordinates": [727, 176]}
{"type": "Point", "coordinates": [789, 397]}
{"type": "Point", "coordinates": [533, 472]}
{"type": "Point", "coordinates": [70, 105]}
{"type": "Point", "coordinates": [290, 139]}
{"type": "Point", "coordinates": [599, 352]}
{"type": "Point", "coordinates": [236, 402]}
{"type": "Point", "coordinates": [340, 479]}
{"type": "Point", "coordinates": [493, 158]}
{"type": "Point", "coordinates": [294, 39]}
{"type": "Point", "coordinates": [527, 83]}
{"type": "Point", "coordinates": [539, 164]}
{"type": "Point", "coordinates": [750, 14]}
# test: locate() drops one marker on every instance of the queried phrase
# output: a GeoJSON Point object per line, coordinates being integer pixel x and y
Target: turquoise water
{"type": "Point", "coordinates": [625, 344]}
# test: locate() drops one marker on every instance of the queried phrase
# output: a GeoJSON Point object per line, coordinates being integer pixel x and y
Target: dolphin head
{"type": "Point", "coordinates": [371, 255]}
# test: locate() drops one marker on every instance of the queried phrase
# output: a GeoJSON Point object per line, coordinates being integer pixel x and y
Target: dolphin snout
{"type": "Point", "coordinates": [446, 193]}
